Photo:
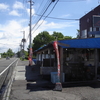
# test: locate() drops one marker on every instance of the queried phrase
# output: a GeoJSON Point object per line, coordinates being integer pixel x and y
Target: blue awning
{"type": "Point", "coordinates": [80, 43]}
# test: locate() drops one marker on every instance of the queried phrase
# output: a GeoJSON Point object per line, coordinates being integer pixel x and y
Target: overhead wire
{"type": "Point", "coordinates": [46, 8]}
{"type": "Point", "coordinates": [47, 15]}
{"type": "Point", "coordinates": [57, 18]}
{"type": "Point", "coordinates": [71, 0]}
{"type": "Point", "coordinates": [38, 8]}
{"type": "Point", "coordinates": [42, 15]}
{"type": "Point", "coordinates": [43, 9]}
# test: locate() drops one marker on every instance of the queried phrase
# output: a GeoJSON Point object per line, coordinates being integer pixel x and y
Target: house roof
{"type": "Point", "coordinates": [75, 43]}
{"type": "Point", "coordinates": [81, 43]}
{"type": "Point", "coordinates": [94, 11]}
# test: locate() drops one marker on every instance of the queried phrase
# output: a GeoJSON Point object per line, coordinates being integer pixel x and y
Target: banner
{"type": "Point", "coordinates": [30, 57]}
{"type": "Point", "coordinates": [55, 45]}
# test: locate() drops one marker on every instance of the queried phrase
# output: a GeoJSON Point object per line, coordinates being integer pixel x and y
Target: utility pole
{"type": "Point", "coordinates": [30, 35]}
{"type": "Point", "coordinates": [23, 41]}
{"type": "Point", "coordinates": [21, 49]}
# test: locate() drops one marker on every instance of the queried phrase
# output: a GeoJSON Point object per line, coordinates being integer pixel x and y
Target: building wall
{"type": "Point", "coordinates": [86, 22]}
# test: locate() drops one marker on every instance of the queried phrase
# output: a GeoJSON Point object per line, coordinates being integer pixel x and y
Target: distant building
{"type": "Point", "coordinates": [90, 24]}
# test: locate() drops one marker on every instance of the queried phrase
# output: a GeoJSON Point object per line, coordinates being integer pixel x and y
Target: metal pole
{"type": "Point", "coordinates": [24, 39]}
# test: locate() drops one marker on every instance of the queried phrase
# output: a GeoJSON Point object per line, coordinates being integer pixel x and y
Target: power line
{"type": "Point", "coordinates": [71, 1]}
{"type": "Point", "coordinates": [57, 18]}
{"type": "Point", "coordinates": [39, 8]}
{"type": "Point", "coordinates": [43, 9]}
{"type": "Point", "coordinates": [46, 16]}
{"type": "Point", "coordinates": [41, 16]}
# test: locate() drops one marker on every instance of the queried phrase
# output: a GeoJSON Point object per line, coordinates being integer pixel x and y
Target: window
{"type": "Point", "coordinates": [94, 29]}
{"type": "Point", "coordinates": [84, 34]}
{"type": "Point", "coordinates": [90, 29]}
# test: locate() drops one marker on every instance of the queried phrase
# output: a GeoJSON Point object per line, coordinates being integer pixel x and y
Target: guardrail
{"type": "Point", "coordinates": [5, 77]}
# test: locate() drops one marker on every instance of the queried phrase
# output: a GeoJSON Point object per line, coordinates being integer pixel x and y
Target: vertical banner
{"type": "Point", "coordinates": [30, 57]}
{"type": "Point", "coordinates": [55, 45]}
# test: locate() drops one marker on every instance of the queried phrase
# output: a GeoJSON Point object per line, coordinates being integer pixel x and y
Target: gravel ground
{"type": "Point", "coordinates": [28, 85]}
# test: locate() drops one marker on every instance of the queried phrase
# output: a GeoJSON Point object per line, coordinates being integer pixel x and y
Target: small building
{"type": "Point", "coordinates": [79, 59]}
{"type": "Point", "coordinates": [90, 24]}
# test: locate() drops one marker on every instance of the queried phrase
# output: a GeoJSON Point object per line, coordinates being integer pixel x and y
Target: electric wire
{"type": "Point", "coordinates": [41, 17]}
{"type": "Point", "coordinates": [57, 18]}
{"type": "Point", "coordinates": [71, 1]}
{"type": "Point", "coordinates": [46, 16]}
{"type": "Point", "coordinates": [43, 9]}
{"type": "Point", "coordinates": [38, 9]}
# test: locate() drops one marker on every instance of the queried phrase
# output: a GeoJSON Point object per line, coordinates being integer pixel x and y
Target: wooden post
{"type": "Point", "coordinates": [61, 64]}
{"type": "Point", "coordinates": [49, 53]}
{"type": "Point", "coordinates": [96, 63]}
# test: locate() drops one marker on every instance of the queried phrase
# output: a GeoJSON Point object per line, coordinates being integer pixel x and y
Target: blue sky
{"type": "Point", "coordinates": [14, 18]}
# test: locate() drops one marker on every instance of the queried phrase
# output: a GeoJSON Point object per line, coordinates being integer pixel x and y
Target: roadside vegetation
{"type": "Point", "coordinates": [41, 39]}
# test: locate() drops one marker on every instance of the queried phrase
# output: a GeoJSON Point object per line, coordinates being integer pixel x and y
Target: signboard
{"type": "Point", "coordinates": [96, 20]}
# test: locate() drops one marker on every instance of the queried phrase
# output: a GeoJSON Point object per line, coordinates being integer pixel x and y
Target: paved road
{"type": "Point", "coordinates": [5, 63]}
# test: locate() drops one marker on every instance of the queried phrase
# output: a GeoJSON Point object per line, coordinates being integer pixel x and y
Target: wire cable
{"type": "Point", "coordinates": [57, 18]}
{"type": "Point", "coordinates": [48, 3]}
{"type": "Point", "coordinates": [41, 16]}
{"type": "Point", "coordinates": [71, 1]}
{"type": "Point", "coordinates": [46, 16]}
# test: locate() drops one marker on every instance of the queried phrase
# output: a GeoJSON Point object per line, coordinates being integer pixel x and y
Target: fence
{"type": "Point", "coordinates": [5, 77]}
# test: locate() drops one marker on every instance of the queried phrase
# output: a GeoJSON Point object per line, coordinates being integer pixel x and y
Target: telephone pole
{"type": "Point", "coordinates": [23, 41]}
{"type": "Point", "coordinates": [30, 35]}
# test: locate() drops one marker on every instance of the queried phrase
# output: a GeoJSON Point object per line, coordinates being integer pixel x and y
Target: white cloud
{"type": "Point", "coordinates": [3, 6]}
{"type": "Point", "coordinates": [18, 5]}
{"type": "Point", "coordinates": [14, 13]}
{"type": "Point", "coordinates": [11, 35]}
{"type": "Point", "coordinates": [52, 26]}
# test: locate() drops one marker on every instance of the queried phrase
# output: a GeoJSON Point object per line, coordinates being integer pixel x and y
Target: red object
{"type": "Point", "coordinates": [30, 57]}
{"type": "Point", "coordinates": [55, 44]}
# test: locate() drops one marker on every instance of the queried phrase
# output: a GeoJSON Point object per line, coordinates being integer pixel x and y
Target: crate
{"type": "Point", "coordinates": [54, 77]}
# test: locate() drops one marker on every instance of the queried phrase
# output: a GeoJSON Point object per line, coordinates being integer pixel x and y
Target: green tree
{"type": "Point", "coordinates": [10, 53]}
{"type": "Point", "coordinates": [67, 37]}
{"type": "Point", "coordinates": [78, 31]}
{"type": "Point", "coordinates": [41, 39]}
{"type": "Point", "coordinates": [3, 55]}
{"type": "Point", "coordinates": [58, 35]}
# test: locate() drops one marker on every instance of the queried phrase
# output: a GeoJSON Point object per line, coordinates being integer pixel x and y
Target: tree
{"type": "Point", "coordinates": [78, 31]}
{"type": "Point", "coordinates": [67, 37]}
{"type": "Point", "coordinates": [58, 35]}
{"type": "Point", "coordinates": [3, 55]}
{"type": "Point", "coordinates": [41, 39]}
{"type": "Point", "coordinates": [10, 53]}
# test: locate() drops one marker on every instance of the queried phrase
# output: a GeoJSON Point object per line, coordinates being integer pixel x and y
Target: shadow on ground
{"type": "Point", "coordinates": [35, 82]}
{"type": "Point", "coordinates": [93, 84]}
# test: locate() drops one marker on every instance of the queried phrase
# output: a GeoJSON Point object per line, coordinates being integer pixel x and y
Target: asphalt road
{"type": "Point", "coordinates": [5, 63]}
